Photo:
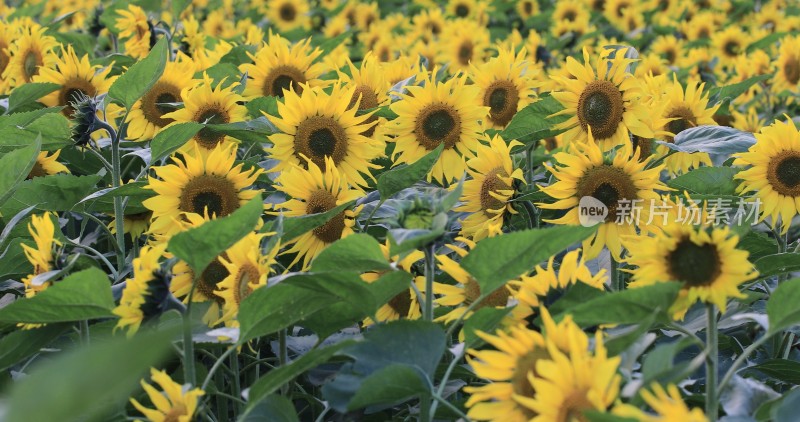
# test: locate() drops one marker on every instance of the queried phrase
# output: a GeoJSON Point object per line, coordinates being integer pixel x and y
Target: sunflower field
{"type": "Point", "coordinates": [400, 210]}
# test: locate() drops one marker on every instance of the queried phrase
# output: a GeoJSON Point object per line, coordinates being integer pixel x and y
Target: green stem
{"type": "Point", "coordinates": [430, 269]}
{"type": "Point", "coordinates": [217, 364]}
{"type": "Point", "coordinates": [85, 332]}
{"type": "Point", "coordinates": [371, 214]}
{"type": "Point", "coordinates": [712, 401]}
{"type": "Point", "coordinates": [446, 377]}
{"type": "Point", "coordinates": [442, 400]}
{"type": "Point", "coordinates": [237, 387]}
{"type": "Point", "coordinates": [188, 343]}
{"type": "Point", "coordinates": [741, 359]}
{"type": "Point", "coordinates": [786, 345]}
{"type": "Point", "coordinates": [119, 212]}
{"type": "Point", "coordinates": [283, 357]}
{"type": "Point", "coordinates": [529, 164]}
{"type": "Point", "coordinates": [616, 279]}
{"type": "Point", "coordinates": [530, 212]}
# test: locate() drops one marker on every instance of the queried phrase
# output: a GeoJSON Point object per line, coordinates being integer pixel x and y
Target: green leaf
{"type": "Point", "coordinates": [399, 178]}
{"type": "Point", "coordinates": [201, 245]}
{"type": "Point", "coordinates": [253, 131]}
{"type": "Point", "coordinates": [15, 167]}
{"type": "Point", "coordinates": [331, 43]}
{"type": "Point", "coordinates": [782, 309]}
{"type": "Point", "coordinates": [169, 139]}
{"type": "Point", "coordinates": [58, 192]}
{"type": "Point", "coordinates": [344, 287]}
{"type": "Point", "coordinates": [758, 244]}
{"type": "Point", "coordinates": [270, 309]}
{"type": "Point", "coordinates": [357, 252]}
{"type": "Point", "coordinates": [28, 93]}
{"type": "Point", "coordinates": [619, 342]}
{"type": "Point", "coordinates": [789, 407]}
{"type": "Point", "coordinates": [496, 260]}
{"type": "Point", "coordinates": [784, 370]}
{"type": "Point", "coordinates": [533, 123]}
{"type": "Point", "coordinates": [630, 306]}
{"type": "Point", "coordinates": [273, 408]}
{"type": "Point", "coordinates": [131, 85]}
{"type": "Point", "coordinates": [257, 106]}
{"type": "Point", "coordinates": [392, 384]}
{"type": "Point", "coordinates": [731, 92]}
{"type": "Point", "coordinates": [293, 227]}
{"type": "Point", "coordinates": [178, 6]}
{"type": "Point", "coordinates": [575, 295]}
{"type": "Point", "coordinates": [278, 377]}
{"type": "Point", "coordinates": [23, 343]}
{"type": "Point", "coordinates": [707, 180]}
{"type": "Point", "coordinates": [88, 383]}
{"type": "Point", "coordinates": [778, 264]}
{"type": "Point", "coordinates": [80, 296]}
{"type": "Point", "coordinates": [659, 363]}
{"type": "Point", "coordinates": [19, 130]}
{"type": "Point", "coordinates": [765, 42]}
{"type": "Point", "coordinates": [485, 320]}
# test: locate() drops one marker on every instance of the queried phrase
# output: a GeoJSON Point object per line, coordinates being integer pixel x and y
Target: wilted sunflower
{"type": "Point", "coordinates": [206, 185]}
{"type": "Point", "coordinates": [787, 74]}
{"type": "Point", "coordinates": [317, 127]}
{"type": "Point", "coordinates": [438, 113]}
{"type": "Point", "coordinates": [287, 15]}
{"type": "Point", "coordinates": [488, 193]}
{"type": "Point", "coordinates": [686, 110]}
{"type": "Point", "coordinates": [464, 42]}
{"type": "Point", "coordinates": [705, 260]}
{"type": "Point", "coordinates": [175, 403]}
{"type": "Point", "coordinates": [508, 84]}
{"type": "Point", "coordinates": [133, 25]}
{"type": "Point", "coordinates": [606, 101]}
{"type": "Point", "coordinates": [31, 51]}
{"type": "Point", "coordinates": [46, 165]}
{"type": "Point", "coordinates": [204, 103]}
{"type": "Point", "coordinates": [247, 268]}
{"type": "Point", "coordinates": [667, 403]}
{"type": "Point", "coordinates": [146, 117]}
{"type": "Point", "coordinates": [41, 257]}
{"type": "Point", "coordinates": [774, 172]}
{"type": "Point", "coordinates": [314, 191]}
{"type": "Point", "coordinates": [279, 66]}
{"type": "Point", "coordinates": [617, 176]}
{"type": "Point", "coordinates": [76, 76]}
{"type": "Point", "coordinates": [512, 366]}
{"type": "Point", "coordinates": [145, 292]}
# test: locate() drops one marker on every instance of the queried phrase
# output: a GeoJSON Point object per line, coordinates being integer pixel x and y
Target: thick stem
{"type": "Point", "coordinates": [740, 360]}
{"type": "Point", "coordinates": [712, 345]}
{"type": "Point", "coordinates": [116, 181]}
{"type": "Point", "coordinates": [617, 282]}
{"type": "Point", "coordinates": [430, 269]}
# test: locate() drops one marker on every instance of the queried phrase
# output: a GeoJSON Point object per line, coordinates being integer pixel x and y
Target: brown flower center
{"type": "Point", "coordinates": [694, 265]}
{"type": "Point", "coordinates": [465, 51]}
{"type": "Point", "coordinates": [791, 70]}
{"type": "Point", "coordinates": [209, 281]}
{"type": "Point", "coordinates": [601, 106]}
{"type": "Point", "coordinates": [573, 407]}
{"type": "Point", "coordinates": [401, 303]}
{"type": "Point", "coordinates": [783, 173]}
{"type": "Point", "coordinates": [154, 103]}
{"type": "Point", "coordinates": [645, 147]}
{"type": "Point", "coordinates": [323, 201]}
{"type": "Point", "coordinates": [283, 78]}
{"type": "Point", "coordinates": [732, 48]}
{"type": "Point", "coordinates": [438, 122]}
{"type": "Point", "coordinates": [36, 171]}
{"type": "Point", "coordinates": [368, 100]}
{"type": "Point", "coordinates": [318, 137]}
{"type": "Point", "coordinates": [287, 12]}
{"type": "Point", "coordinates": [492, 184]}
{"type": "Point", "coordinates": [609, 185]}
{"type": "Point", "coordinates": [502, 97]}
{"type": "Point", "coordinates": [684, 119]}
{"type": "Point", "coordinates": [462, 10]}
{"type": "Point", "coordinates": [526, 364]}
{"type": "Point", "coordinates": [212, 114]}
{"type": "Point", "coordinates": [71, 91]}
{"type": "Point", "coordinates": [247, 274]}
{"type": "Point", "coordinates": [31, 63]}
{"type": "Point", "coordinates": [216, 194]}
{"type": "Point", "coordinates": [472, 292]}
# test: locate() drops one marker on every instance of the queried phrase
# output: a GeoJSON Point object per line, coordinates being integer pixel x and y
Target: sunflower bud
{"type": "Point", "coordinates": [85, 118]}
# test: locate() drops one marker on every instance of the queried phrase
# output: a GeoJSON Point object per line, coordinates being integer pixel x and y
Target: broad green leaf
{"type": "Point", "coordinates": [533, 123]}
{"type": "Point", "coordinates": [784, 370]}
{"type": "Point", "coordinates": [789, 407]}
{"type": "Point", "coordinates": [782, 309]}
{"type": "Point", "coordinates": [730, 92]}
{"type": "Point", "coordinates": [278, 377]}
{"type": "Point", "coordinates": [765, 42]}
{"type": "Point", "coordinates": [258, 106]}
{"type": "Point", "coordinates": [178, 6]}
{"type": "Point", "coordinates": [758, 244]}
{"type": "Point", "coordinates": [707, 180]}
{"type": "Point", "coordinates": [485, 320]}
{"type": "Point", "coordinates": [201, 245]}
{"type": "Point", "coordinates": [619, 342]}
{"type": "Point", "coordinates": [345, 286]}
{"type": "Point", "coordinates": [391, 384]}
{"type": "Point", "coordinates": [293, 227]}
{"type": "Point", "coordinates": [253, 131]}
{"type": "Point", "coordinates": [720, 141]}
{"type": "Point", "coordinates": [496, 260]}
{"type": "Point", "coordinates": [21, 129]}
{"type": "Point", "coordinates": [169, 139]}
{"type": "Point", "coordinates": [778, 264]}
{"type": "Point", "coordinates": [273, 408]}
{"type": "Point", "coordinates": [399, 178]}
{"type": "Point", "coordinates": [13, 263]}
{"type": "Point", "coordinates": [82, 295]}
{"type": "Point", "coordinates": [23, 343]}
{"type": "Point", "coordinates": [29, 93]}
{"type": "Point", "coordinates": [329, 44]}
{"type": "Point", "coordinates": [270, 309]}
{"type": "Point", "coordinates": [15, 167]}
{"type": "Point", "coordinates": [341, 314]}
{"type": "Point", "coordinates": [659, 363]}
{"type": "Point", "coordinates": [575, 295]}
{"type": "Point", "coordinates": [131, 85]}
{"type": "Point", "coordinates": [357, 252]}
{"type": "Point", "coordinates": [238, 55]}
{"type": "Point", "coordinates": [58, 192]}
{"type": "Point", "coordinates": [88, 383]}
{"type": "Point", "coordinates": [630, 306]}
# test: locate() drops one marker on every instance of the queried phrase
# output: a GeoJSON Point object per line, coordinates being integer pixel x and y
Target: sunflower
{"type": "Point", "coordinates": [133, 25]}
{"type": "Point", "coordinates": [439, 112]}
{"type": "Point", "coordinates": [571, 11]}
{"type": "Point", "coordinates": [143, 292]}
{"type": "Point", "coordinates": [370, 88]}
{"type": "Point", "coordinates": [317, 126]}
{"type": "Point", "coordinates": [404, 305]}
{"type": "Point", "coordinates": [700, 26]}
{"type": "Point", "coordinates": [773, 172]}
{"type": "Point", "coordinates": [429, 23]}
{"type": "Point", "coordinates": [571, 270]}
{"type": "Point", "coordinates": [41, 257]}
{"type": "Point", "coordinates": [46, 165]}
{"type": "Point", "coordinates": [705, 260]}
{"type": "Point", "coordinates": [461, 8]}
{"type": "Point", "coordinates": [135, 224]}
{"type": "Point", "coordinates": [787, 67]}
{"type": "Point", "coordinates": [667, 403]}
{"type": "Point", "coordinates": [219, 24]}
{"type": "Point", "coordinates": [464, 42]}
{"type": "Point", "coordinates": [487, 195]}
{"type": "Point", "coordinates": [287, 15]}
{"type": "Point", "coordinates": [512, 366]}
{"type": "Point", "coordinates": [668, 47]}
{"type": "Point", "coordinates": [175, 403]}
{"type": "Point", "coordinates": [207, 185]}
{"type": "Point", "coordinates": [204, 103]}
{"type": "Point", "coordinates": [278, 67]}
{"type": "Point", "coordinates": [571, 382]}
{"type": "Point", "coordinates": [686, 109]}
{"type": "Point", "coordinates": [77, 78]}
{"type": "Point", "coordinates": [8, 34]}
{"type": "Point", "coordinates": [617, 176]}
{"type": "Point", "coordinates": [527, 9]}
{"type": "Point", "coordinates": [146, 117]}
{"type": "Point", "coordinates": [246, 268]}
{"type": "Point", "coordinates": [614, 11]}
{"type": "Point", "coordinates": [507, 84]}
{"type": "Point", "coordinates": [606, 101]}
{"type": "Point", "coordinates": [749, 122]}
{"type": "Point", "coordinates": [729, 44]}
{"type": "Point", "coordinates": [651, 64]}
{"type": "Point", "coordinates": [467, 291]}
{"type": "Point", "coordinates": [314, 191]}
{"type": "Point", "coordinates": [31, 52]}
